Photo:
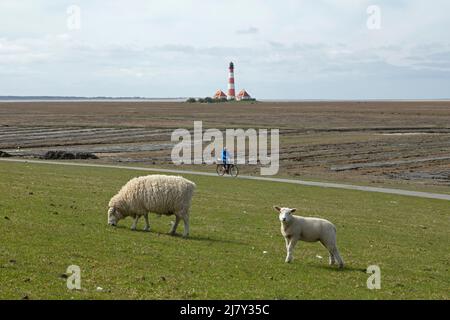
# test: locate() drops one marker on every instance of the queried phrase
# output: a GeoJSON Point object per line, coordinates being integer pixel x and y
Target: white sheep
{"type": "Point", "coordinates": [160, 194]}
{"type": "Point", "coordinates": [295, 228]}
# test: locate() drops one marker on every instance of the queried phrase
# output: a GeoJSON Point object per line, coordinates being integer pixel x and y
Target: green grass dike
{"type": "Point", "coordinates": [52, 217]}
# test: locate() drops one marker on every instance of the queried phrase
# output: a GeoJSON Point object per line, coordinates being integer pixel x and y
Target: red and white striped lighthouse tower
{"type": "Point", "coordinates": [231, 95]}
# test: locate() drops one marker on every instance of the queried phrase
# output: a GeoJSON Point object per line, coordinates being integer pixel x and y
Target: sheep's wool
{"type": "Point", "coordinates": [159, 194]}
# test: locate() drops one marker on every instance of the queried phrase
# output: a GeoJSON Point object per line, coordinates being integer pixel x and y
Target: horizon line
{"type": "Point", "coordinates": [113, 98]}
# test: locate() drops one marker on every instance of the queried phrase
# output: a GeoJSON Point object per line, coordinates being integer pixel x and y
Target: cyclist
{"type": "Point", "coordinates": [225, 159]}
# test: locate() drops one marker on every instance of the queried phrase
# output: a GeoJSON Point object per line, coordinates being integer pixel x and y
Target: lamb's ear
{"type": "Point", "coordinates": [293, 210]}
{"type": "Point", "coordinates": [277, 208]}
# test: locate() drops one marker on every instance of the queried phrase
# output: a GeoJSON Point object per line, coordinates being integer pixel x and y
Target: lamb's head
{"type": "Point", "coordinates": [114, 216]}
{"type": "Point", "coordinates": [285, 214]}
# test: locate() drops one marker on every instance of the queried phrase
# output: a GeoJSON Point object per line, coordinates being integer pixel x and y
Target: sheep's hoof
{"type": "Point", "coordinates": [146, 229]}
{"type": "Point", "coordinates": [288, 260]}
{"type": "Point", "coordinates": [133, 229]}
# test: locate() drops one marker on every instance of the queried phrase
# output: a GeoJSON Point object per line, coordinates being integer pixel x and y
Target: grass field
{"type": "Point", "coordinates": [55, 216]}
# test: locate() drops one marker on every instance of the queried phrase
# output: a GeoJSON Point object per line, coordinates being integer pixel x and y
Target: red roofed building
{"type": "Point", "coordinates": [219, 95]}
{"type": "Point", "coordinates": [243, 95]}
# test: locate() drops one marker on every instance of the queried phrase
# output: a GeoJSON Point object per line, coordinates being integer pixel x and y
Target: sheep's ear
{"type": "Point", "coordinates": [293, 210]}
{"type": "Point", "coordinates": [277, 208]}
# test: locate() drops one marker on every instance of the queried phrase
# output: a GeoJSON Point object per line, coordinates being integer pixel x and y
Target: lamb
{"type": "Point", "coordinates": [160, 194]}
{"type": "Point", "coordinates": [294, 228]}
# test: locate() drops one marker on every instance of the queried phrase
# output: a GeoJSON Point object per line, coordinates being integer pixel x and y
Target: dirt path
{"type": "Point", "coordinates": [300, 182]}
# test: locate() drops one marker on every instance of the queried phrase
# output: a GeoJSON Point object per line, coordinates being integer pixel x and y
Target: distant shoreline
{"type": "Point", "coordinates": [183, 99]}
{"type": "Point", "coordinates": [85, 99]}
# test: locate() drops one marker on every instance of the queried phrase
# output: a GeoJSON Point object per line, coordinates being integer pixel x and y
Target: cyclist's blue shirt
{"type": "Point", "coordinates": [224, 156]}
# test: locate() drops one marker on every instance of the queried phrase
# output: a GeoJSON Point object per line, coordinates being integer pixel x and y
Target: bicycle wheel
{"type": "Point", "coordinates": [220, 169]}
{"type": "Point", "coordinates": [234, 171]}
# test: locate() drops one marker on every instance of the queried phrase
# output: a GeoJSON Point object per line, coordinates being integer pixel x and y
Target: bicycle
{"type": "Point", "coordinates": [233, 170]}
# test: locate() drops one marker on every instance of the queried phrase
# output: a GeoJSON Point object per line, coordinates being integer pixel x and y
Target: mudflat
{"type": "Point", "coordinates": [384, 142]}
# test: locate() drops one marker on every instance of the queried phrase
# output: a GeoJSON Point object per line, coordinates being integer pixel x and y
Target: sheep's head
{"type": "Point", "coordinates": [114, 216]}
{"type": "Point", "coordinates": [285, 214]}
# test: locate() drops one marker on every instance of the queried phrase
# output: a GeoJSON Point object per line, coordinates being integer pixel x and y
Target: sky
{"type": "Point", "coordinates": [283, 49]}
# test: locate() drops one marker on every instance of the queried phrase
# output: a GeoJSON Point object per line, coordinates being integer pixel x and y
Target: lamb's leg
{"type": "Point", "coordinates": [147, 225]}
{"type": "Point", "coordinates": [331, 260]}
{"type": "Point", "coordinates": [186, 225]}
{"type": "Point", "coordinates": [287, 249]}
{"type": "Point", "coordinates": [330, 244]}
{"type": "Point", "coordinates": [287, 243]}
{"type": "Point", "coordinates": [134, 225]}
{"type": "Point", "coordinates": [175, 225]}
{"type": "Point", "coordinates": [337, 256]}
{"type": "Point", "coordinates": [290, 249]}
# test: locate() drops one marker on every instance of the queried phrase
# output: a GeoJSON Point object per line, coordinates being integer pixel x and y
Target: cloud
{"type": "Point", "coordinates": [174, 48]}
{"type": "Point", "coordinates": [250, 30]}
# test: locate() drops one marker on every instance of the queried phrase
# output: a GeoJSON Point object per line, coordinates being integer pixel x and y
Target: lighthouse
{"type": "Point", "coordinates": [231, 93]}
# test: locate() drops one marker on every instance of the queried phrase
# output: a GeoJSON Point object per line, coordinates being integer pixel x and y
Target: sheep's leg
{"type": "Point", "coordinates": [186, 225]}
{"type": "Point", "coordinates": [175, 225]}
{"type": "Point", "coordinates": [290, 249]}
{"type": "Point", "coordinates": [147, 225]}
{"type": "Point", "coordinates": [134, 225]}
